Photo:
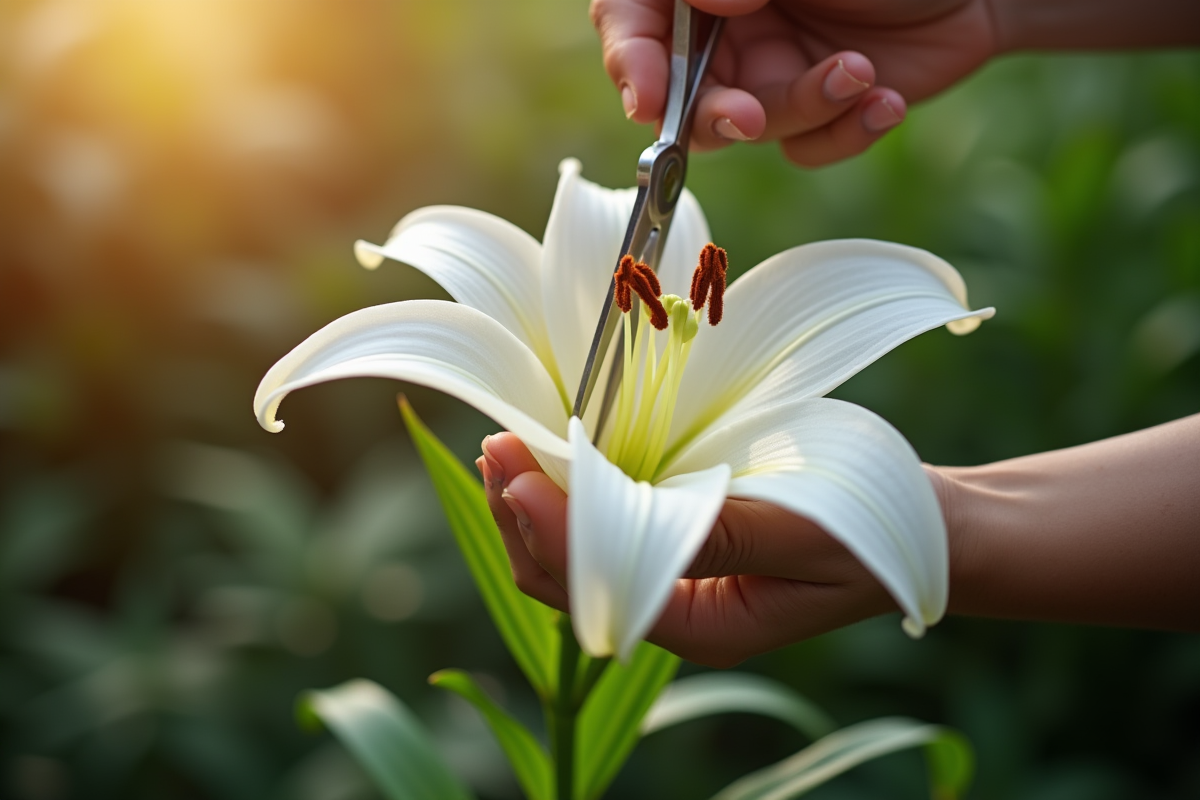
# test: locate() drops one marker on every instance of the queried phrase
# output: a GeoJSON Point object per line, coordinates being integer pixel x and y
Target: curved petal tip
{"type": "Point", "coordinates": [570, 166]}
{"type": "Point", "coordinates": [915, 628]}
{"type": "Point", "coordinates": [264, 411]}
{"type": "Point", "coordinates": [369, 255]}
{"type": "Point", "coordinates": [961, 327]}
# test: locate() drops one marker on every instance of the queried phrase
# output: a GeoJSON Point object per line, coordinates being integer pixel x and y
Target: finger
{"type": "Point", "coordinates": [875, 114]}
{"type": "Point", "coordinates": [720, 622]}
{"type": "Point", "coordinates": [507, 457]}
{"type": "Point", "coordinates": [752, 537]}
{"type": "Point", "coordinates": [817, 97]}
{"type": "Point", "coordinates": [634, 38]}
{"type": "Point", "coordinates": [527, 573]}
{"type": "Point", "coordinates": [725, 115]}
{"type": "Point", "coordinates": [537, 505]}
{"type": "Point", "coordinates": [541, 508]}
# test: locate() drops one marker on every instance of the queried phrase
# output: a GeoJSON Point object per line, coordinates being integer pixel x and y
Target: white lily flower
{"type": "Point", "coordinates": [745, 419]}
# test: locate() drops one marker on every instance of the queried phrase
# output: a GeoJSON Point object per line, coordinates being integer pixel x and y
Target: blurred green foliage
{"type": "Point", "coordinates": [180, 185]}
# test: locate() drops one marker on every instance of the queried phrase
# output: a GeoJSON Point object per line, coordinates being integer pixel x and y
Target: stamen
{"type": "Point", "coordinates": [655, 286]}
{"type": "Point", "coordinates": [701, 277]}
{"type": "Point", "coordinates": [646, 402]}
{"type": "Point", "coordinates": [623, 278]}
{"type": "Point", "coordinates": [644, 283]}
{"type": "Point", "coordinates": [716, 293]}
{"type": "Point", "coordinates": [708, 282]}
{"type": "Point", "coordinates": [637, 277]}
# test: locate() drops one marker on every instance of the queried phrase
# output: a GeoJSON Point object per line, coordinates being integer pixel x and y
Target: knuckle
{"type": "Point", "coordinates": [616, 54]}
{"type": "Point", "coordinates": [598, 11]}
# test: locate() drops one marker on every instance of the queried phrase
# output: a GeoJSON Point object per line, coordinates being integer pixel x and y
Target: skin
{"type": "Point", "coordinates": [828, 78]}
{"type": "Point", "coordinates": [1105, 533]}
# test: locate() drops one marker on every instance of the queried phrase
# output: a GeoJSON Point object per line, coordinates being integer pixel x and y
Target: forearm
{"type": "Point", "coordinates": [1095, 24]}
{"type": "Point", "coordinates": [1105, 533]}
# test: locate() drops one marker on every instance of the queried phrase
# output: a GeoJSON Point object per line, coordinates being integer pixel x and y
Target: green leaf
{"type": "Point", "coordinates": [527, 626]}
{"type": "Point", "coordinates": [723, 692]}
{"type": "Point", "coordinates": [609, 722]}
{"type": "Point", "coordinates": [951, 763]}
{"type": "Point", "coordinates": [385, 738]}
{"type": "Point", "coordinates": [949, 755]}
{"type": "Point", "coordinates": [529, 759]}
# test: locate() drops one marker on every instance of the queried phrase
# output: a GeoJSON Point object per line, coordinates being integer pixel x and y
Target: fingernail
{"type": "Point", "coordinates": [484, 472]}
{"type": "Point", "coordinates": [496, 471]}
{"type": "Point", "coordinates": [628, 100]}
{"type": "Point", "coordinates": [518, 510]}
{"type": "Point", "coordinates": [725, 128]}
{"type": "Point", "coordinates": [879, 116]}
{"type": "Point", "coordinates": [841, 85]}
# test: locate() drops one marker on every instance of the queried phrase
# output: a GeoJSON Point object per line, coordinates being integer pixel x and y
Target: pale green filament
{"type": "Point", "coordinates": [644, 410]}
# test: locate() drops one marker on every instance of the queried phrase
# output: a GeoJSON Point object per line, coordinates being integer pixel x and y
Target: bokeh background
{"type": "Point", "coordinates": [180, 186]}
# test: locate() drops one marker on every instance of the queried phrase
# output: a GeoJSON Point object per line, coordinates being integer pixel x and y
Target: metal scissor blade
{"type": "Point", "coordinates": [662, 169]}
{"type": "Point", "coordinates": [607, 323]}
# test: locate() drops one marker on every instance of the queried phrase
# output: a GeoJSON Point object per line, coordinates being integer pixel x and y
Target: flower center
{"type": "Point", "coordinates": [651, 377]}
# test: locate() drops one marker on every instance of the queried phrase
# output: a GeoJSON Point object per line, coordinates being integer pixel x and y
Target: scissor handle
{"type": "Point", "coordinates": [689, 61]}
{"type": "Point", "coordinates": [662, 167]}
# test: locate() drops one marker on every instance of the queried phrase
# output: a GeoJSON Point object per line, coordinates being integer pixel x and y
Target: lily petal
{"type": "Point", "coordinates": [628, 543]}
{"type": "Point", "coordinates": [853, 474]}
{"type": "Point", "coordinates": [583, 239]}
{"type": "Point", "coordinates": [483, 261]}
{"type": "Point", "coordinates": [689, 233]}
{"type": "Point", "coordinates": [446, 346]}
{"type": "Point", "coordinates": [579, 253]}
{"type": "Point", "coordinates": [808, 319]}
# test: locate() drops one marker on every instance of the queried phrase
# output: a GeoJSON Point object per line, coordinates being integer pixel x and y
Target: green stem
{"type": "Point", "coordinates": [588, 678]}
{"type": "Point", "coordinates": [564, 710]}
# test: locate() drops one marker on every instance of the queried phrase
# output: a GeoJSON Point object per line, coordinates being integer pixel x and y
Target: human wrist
{"type": "Point", "coordinates": [965, 512]}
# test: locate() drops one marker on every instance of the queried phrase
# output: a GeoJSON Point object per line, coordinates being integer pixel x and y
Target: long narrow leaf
{"type": "Point", "coordinates": [529, 759]}
{"type": "Point", "coordinates": [609, 722]}
{"type": "Point", "coordinates": [385, 738]}
{"type": "Point", "coordinates": [723, 692]}
{"type": "Point", "coordinates": [526, 625]}
{"type": "Point", "coordinates": [950, 760]}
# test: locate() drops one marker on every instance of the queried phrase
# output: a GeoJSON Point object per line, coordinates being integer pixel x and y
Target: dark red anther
{"type": "Point", "coordinates": [655, 286]}
{"type": "Point", "coordinates": [624, 277]}
{"type": "Point", "coordinates": [708, 281]}
{"type": "Point", "coordinates": [643, 283]}
{"type": "Point", "coordinates": [699, 284]}
{"type": "Point", "coordinates": [637, 278]}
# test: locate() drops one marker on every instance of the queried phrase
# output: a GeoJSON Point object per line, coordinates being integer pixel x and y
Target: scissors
{"type": "Point", "coordinates": [661, 170]}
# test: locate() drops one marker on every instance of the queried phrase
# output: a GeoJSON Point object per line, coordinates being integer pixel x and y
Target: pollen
{"type": "Point", "coordinates": [708, 282]}
{"type": "Point", "coordinates": [623, 277]}
{"type": "Point", "coordinates": [637, 278]}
